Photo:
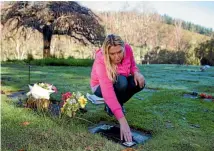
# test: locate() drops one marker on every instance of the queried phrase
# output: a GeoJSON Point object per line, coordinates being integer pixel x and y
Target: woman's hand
{"type": "Point", "coordinates": [139, 78]}
{"type": "Point", "coordinates": [125, 131]}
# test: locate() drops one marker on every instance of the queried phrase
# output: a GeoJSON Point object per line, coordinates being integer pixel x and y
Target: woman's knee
{"type": "Point", "coordinates": [121, 84]}
{"type": "Point", "coordinates": [143, 86]}
{"type": "Point", "coordinates": [132, 84]}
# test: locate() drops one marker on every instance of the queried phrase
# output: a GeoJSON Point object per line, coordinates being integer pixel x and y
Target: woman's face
{"type": "Point", "coordinates": [116, 54]}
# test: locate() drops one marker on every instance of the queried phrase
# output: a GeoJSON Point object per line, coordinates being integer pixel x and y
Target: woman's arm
{"type": "Point", "coordinates": [138, 77]}
{"type": "Point", "coordinates": [108, 89]}
{"type": "Point", "coordinates": [125, 132]}
{"type": "Point", "coordinates": [111, 99]}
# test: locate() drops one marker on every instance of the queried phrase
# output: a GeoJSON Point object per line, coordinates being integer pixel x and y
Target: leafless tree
{"type": "Point", "coordinates": [178, 33]}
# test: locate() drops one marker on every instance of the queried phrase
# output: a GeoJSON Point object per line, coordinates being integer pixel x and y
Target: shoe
{"type": "Point", "coordinates": [108, 110]}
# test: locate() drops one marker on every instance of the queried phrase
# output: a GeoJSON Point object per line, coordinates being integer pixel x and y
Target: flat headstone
{"type": "Point", "coordinates": [139, 98]}
{"type": "Point", "coordinates": [194, 126]}
{"type": "Point", "coordinates": [112, 132]}
{"type": "Point", "coordinates": [16, 94]}
{"type": "Point", "coordinates": [149, 90]}
{"type": "Point", "coordinates": [190, 96]}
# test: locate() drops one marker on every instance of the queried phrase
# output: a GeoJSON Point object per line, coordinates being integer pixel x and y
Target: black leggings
{"type": "Point", "coordinates": [124, 89]}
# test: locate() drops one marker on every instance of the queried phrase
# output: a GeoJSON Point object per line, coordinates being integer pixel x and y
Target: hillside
{"type": "Point", "coordinates": [146, 32]}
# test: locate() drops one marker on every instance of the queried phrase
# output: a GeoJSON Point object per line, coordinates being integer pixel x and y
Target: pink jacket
{"type": "Point", "coordinates": [99, 77]}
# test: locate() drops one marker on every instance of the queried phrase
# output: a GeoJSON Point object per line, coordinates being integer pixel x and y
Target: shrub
{"type": "Point", "coordinates": [55, 62]}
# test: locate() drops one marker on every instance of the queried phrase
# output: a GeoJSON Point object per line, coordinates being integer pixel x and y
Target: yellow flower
{"type": "Point", "coordinates": [62, 110]}
{"type": "Point", "coordinates": [82, 101]}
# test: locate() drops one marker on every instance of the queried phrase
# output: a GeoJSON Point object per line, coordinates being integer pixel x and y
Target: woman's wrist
{"type": "Point", "coordinates": [136, 73]}
{"type": "Point", "coordinates": [122, 120]}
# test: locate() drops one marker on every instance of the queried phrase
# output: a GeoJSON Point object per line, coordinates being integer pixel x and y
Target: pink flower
{"type": "Point", "coordinates": [55, 89]}
{"type": "Point", "coordinates": [209, 97]}
{"type": "Point", "coordinates": [66, 95]}
{"type": "Point", "coordinates": [202, 95]}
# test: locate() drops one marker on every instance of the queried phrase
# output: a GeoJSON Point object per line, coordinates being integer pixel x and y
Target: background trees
{"type": "Point", "coordinates": [50, 18]}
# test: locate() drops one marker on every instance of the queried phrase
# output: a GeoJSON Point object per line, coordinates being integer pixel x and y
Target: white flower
{"type": "Point", "coordinates": [78, 95]}
{"type": "Point", "coordinates": [38, 92]}
{"type": "Point", "coordinates": [73, 101]}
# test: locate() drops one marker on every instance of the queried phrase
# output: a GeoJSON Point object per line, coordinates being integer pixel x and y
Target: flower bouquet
{"type": "Point", "coordinates": [39, 95]}
{"type": "Point", "coordinates": [205, 96]}
{"type": "Point", "coordinates": [72, 102]}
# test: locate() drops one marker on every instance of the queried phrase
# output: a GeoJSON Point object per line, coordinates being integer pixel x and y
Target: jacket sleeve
{"type": "Point", "coordinates": [108, 89]}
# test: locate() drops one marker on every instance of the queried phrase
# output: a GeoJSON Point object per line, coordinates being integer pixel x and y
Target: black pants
{"type": "Point", "coordinates": [124, 89]}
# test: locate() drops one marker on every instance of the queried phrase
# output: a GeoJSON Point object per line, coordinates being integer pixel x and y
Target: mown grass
{"type": "Point", "coordinates": [177, 123]}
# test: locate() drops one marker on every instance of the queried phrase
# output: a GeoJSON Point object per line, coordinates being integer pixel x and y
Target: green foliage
{"type": "Point", "coordinates": [164, 56]}
{"type": "Point", "coordinates": [191, 57]}
{"type": "Point", "coordinates": [55, 97]}
{"type": "Point", "coordinates": [14, 61]}
{"type": "Point", "coordinates": [56, 62]}
{"type": "Point", "coordinates": [189, 26]}
{"type": "Point", "coordinates": [205, 52]}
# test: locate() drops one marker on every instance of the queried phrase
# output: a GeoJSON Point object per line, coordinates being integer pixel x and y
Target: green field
{"type": "Point", "coordinates": [177, 123]}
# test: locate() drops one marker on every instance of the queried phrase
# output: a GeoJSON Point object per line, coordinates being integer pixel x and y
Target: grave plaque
{"type": "Point", "coordinates": [112, 132]}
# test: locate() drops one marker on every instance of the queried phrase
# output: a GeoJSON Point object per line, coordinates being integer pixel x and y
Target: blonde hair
{"type": "Point", "coordinates": [111, 40]}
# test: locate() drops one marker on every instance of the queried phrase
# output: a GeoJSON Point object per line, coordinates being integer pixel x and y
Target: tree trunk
{"type": "Point", "coordinates": [47, 35]}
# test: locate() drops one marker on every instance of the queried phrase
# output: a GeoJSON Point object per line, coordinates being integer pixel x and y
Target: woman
{"type": "Point", "coordinates": [116, 78]}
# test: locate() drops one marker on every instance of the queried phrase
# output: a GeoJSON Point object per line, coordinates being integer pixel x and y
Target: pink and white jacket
{"type": "Point", "coordinates": [99, 77]}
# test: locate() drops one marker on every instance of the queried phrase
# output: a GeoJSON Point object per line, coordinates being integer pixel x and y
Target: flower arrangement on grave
{"type": "Point", "coordinates": [39, 95]}
{"type": "Point", "coordinates": [72, 102]}
{"type": "Point", "coordinates": [205, 96]}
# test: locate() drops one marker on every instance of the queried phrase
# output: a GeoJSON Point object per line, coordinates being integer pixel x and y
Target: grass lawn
{"type": "Point", "coordinates": [177, 123]}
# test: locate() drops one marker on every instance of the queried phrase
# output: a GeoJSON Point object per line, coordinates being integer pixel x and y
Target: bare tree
{"type": "Point", "coordinates": [61, 18]}
{"type": "Point", "coordinates": [178, 33]}
{"type": "Point", "coordinates": [16, 35]}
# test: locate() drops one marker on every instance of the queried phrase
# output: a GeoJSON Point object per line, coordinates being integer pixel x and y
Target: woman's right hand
{"type": "Point", "coordinates": [125, 131]}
